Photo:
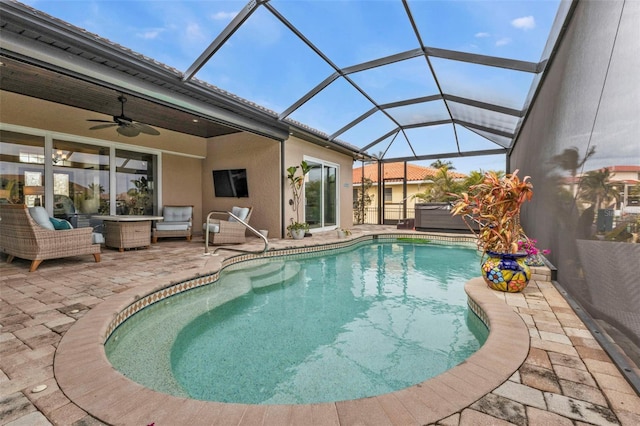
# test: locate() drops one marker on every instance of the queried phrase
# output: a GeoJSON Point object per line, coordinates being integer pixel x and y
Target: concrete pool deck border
{"type": "Point", "coordinates": [88, 379]}
{"type": "Point", "coordinates": [566, 377]}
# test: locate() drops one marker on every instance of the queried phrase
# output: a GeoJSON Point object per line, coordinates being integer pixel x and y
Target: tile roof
{"type": "Point", "coordinates": [395, 171]}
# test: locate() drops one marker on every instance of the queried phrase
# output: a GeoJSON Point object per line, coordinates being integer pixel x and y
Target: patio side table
{"type": "Point", "coordinates": [127, 231]}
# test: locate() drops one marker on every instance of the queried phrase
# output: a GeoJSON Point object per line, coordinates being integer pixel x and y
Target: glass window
{"type": "Point", "coordinates": [21, 168]}
{"type": "Point", "coordinates": [135, 183]}
{"type": "Point", "coordinates": [80, 181]}
{"type": "Point", "coordinates": [79, 178]}
{"type": "Point", "coordinates": [388, 195]}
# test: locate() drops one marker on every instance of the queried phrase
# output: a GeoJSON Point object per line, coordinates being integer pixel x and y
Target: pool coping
{"type": "Point", "coordinates": [87, 378]}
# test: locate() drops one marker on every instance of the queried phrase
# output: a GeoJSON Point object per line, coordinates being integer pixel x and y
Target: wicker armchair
{"type": "Point", "coordinates": [21, 236]}
{"type": "Point", "coordinates": [227, 231]}
{"type": "Point", "coordinates": [176, 223]}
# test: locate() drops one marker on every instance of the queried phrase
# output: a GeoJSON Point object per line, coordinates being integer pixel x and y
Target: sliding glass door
{"type": "Point", "coordinates": [320, 194]}
{"type": "Point", "coordinates": [74, 180]}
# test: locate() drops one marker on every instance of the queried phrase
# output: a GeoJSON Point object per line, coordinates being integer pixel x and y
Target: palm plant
{"type": "Point", "coordinates": [596, 188]}
{"type": "Point", "coordinates": [297, 182]}
{"type": "Point", "coordinates": [139, 197]}
{"type": "Point", "coordinates": [438, 164]}
{"type": "Point", "coordinates": [440, 187]}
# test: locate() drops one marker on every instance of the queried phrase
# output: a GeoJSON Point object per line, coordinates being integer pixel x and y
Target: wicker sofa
{"type": "Point", "coordinates": [21, 236]}
{"type": "Point", "coordinates": [228, 230]}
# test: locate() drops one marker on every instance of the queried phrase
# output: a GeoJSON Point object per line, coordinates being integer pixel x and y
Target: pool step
{"type": "Point", "coordinates": [273, 274]}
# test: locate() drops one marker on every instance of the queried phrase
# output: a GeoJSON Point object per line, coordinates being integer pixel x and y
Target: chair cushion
{"type": "Point", "coordinates": [97, 238]}
{"type": "Point", "coordinates": [59, 224]}
{"type": "Point", "coordinates": [177, 213]}
{"type": "Point", "coordinates": [241, 212]}
{"type": "Point", "coordinates": [213, 227]}
{"type": "Point", "coordinates": [172, 226]}
{"type": "Point", "coordinates": [41, 217]}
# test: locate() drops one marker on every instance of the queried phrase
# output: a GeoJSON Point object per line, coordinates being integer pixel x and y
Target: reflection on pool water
{"type": "Point", "coordinates": [339, 325]}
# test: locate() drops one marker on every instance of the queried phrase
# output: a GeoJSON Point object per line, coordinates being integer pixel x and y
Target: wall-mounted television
{"type": "Point", "coordinates": [230, 183]}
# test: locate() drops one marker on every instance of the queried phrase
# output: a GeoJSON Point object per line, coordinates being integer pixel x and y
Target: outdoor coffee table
{"type": "Point", "coordinates": [127, 231]}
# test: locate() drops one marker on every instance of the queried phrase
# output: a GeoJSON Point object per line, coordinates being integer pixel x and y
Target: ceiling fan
{"type": "Point", "coordinates": [126, 126]}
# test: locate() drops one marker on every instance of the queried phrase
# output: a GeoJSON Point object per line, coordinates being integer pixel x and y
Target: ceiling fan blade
{"type": "Point", "coordinates": [128, 131]}
{"type": "Point", "coordinates": [125, 126]}
{"type": "Point", "coordinates": [102, 126]}
{"type": "Point", "coordinates": [145, 128]}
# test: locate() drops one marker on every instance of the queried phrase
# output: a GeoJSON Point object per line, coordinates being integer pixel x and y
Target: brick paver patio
{"type": "Point", "coordinates": [566, 378]}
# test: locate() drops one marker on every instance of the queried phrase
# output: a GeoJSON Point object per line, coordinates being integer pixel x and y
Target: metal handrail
{"type": "Point", "coordinates": [246, 225]}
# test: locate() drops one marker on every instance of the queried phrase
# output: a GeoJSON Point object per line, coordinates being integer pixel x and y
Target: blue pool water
{"type": "Point", "coordinates": [350, 324]}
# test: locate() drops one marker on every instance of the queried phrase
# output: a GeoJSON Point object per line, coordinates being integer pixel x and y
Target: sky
{"type": "Point", "coordinates": [265, 63]}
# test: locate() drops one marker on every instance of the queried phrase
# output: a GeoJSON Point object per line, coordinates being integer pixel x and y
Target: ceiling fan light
{"type": "Point", "coordinates": [59, 156]}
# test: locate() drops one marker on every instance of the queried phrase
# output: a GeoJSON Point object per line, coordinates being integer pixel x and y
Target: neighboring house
{"type": "Point", "coordinates": [394, 196]}
{"type": "Point", "coordinates": [627, 178]}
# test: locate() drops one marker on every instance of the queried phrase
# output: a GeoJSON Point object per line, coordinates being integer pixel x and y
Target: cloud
{"type": "Point", "coordinates": [524, 23]}
{"type": "Point", "coordinates": [150, 34]}
{"type": "Point", "coordinates": [193, 31]}
{"type": "Point", "coordinates": [223, 16]}
{"type": "Point", "coordinates": [503, 41]}
{"type": "Point", "coordinates": [482, 35]}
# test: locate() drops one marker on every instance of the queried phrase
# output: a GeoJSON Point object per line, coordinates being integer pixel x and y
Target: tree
{"type": "Point", "coordinates": [362, 201]}
{"type": "Point", "coordinates": [474, 178]}
{"type": "Point", "coordinates": [596, 188]}
{"type": "Point", "coordinates": [296, 182]}
{"type": "Point", "coordinates": [139, 197]}
{"type": "Point", "coordinates": [440, 187]}
{"type": "Point", "coordinates": [438, 164]}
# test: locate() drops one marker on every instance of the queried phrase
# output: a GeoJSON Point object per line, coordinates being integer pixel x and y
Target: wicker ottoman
{"type": "Point", "coordinates": [122, 235]}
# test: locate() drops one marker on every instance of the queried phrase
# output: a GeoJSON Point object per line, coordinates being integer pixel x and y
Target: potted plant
{"type": "Point", "coordinates": [534, 254]}
{"type": "Point", "coordinates": [494, 206]}
{"type": "Point", "coordinates": [343, 232]}
{"type": "Point", "coordinates": [297, 229]}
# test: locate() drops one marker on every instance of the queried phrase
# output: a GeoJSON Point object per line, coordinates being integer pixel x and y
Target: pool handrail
{"type": "Point", "coordinates": [245, 224]}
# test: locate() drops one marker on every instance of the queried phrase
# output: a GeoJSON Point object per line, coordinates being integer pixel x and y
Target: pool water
{"type": "Point", "coordinates": [342, 325]}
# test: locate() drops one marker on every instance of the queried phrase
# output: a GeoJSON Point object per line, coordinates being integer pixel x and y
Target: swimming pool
{"type": "Point", "coordinates": [384, 329]}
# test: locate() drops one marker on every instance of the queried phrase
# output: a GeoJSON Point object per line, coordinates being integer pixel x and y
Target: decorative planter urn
{"type": "Point", "coordinates": [506, 271]}
{"type": "Point", "coordinates": [297, 234]}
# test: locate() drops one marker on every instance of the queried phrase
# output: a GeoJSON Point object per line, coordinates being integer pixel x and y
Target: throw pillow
{"type": "Point", "coordinates": [40, 215]}
{"type": "Point", "coordinates": [59, 224]}
{"type": "Point", "coordinates": [97, 238]}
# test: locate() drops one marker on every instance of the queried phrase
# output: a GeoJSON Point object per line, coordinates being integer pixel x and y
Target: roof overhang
{"type": "Point", "coordinates": [46, 59]}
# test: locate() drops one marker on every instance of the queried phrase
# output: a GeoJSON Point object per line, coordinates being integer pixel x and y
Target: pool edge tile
{"type": "Point", "coordinates": [421, 403]}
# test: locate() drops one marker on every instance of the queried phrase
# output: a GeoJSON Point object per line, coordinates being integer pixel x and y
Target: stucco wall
{"type": "Point", "coordinates": [261, 157]}
{"type": "Point", "coordinates": [182, 184]}
{"type": "Point", "coordinates": [296, 150]}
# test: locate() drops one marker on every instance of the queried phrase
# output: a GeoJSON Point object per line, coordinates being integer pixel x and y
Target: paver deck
{"type": "Point", "coordinates": [566, 377]}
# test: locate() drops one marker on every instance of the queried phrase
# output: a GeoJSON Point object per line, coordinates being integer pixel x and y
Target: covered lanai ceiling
{"type": "Point", "coordinates": [401, 80]}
